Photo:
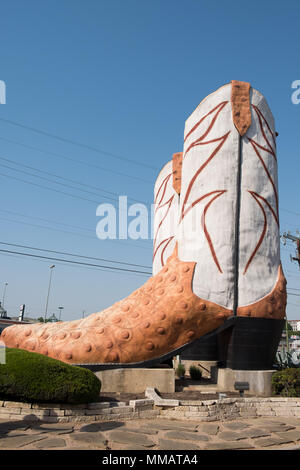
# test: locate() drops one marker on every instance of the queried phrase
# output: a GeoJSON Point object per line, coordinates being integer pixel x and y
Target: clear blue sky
{"type": "Point", "coordinates": [122, 76]}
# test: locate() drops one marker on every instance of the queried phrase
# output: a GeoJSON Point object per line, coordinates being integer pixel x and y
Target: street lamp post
{"type": "Point", "coordinates": [49, 286]}
{"type": "Point", "coordinates": [60, 312]}
{"type": "Point", "coordinates": [4, 291]}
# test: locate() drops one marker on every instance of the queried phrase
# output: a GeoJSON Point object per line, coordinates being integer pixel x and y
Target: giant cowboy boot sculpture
{"type": "Point", "coordinates": [229, 187]}
{"type": "Point", "coordinates": [226, 261]}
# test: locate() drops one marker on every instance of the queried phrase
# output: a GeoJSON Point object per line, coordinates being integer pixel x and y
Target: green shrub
{"type": "Point", "coordinates": [32, 377]}
{"type": "Point", "coordinates": [180, 371]}
{"type": "Point", "coordinates": [195, 373]}
{"type": "Point", "coordinates": [286, 383]}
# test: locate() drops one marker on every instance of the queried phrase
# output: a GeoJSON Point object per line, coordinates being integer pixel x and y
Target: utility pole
{"type": "Point", "coordinates": [288, 236]}
{"type": "Point", "coordinates": [49, 286]}
{"type": "Point", "coordinates": [295, 239]}
{"type": "Point", "coordinates": [4, 291]}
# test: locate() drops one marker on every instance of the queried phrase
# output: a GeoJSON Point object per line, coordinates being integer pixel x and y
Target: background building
{"type": "Point", "coordinates": [295, 324]}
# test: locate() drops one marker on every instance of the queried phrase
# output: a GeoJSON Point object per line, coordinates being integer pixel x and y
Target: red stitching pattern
{"type": "Point", "coordinates": [159, 205]}
{"type": "Point", "coordinates": [221, 106]}
{"type": "Point", "coordinates": [169, 202]}
{"type": "Point", "coordinates": [260, 115]}
{"type": "Point", "coordinates": [212, 155]}
{"type": "Point", "coordinates": [262, 234]}
{"type": "Point", "coordinates": [199, 141]}
{"type": "Point", "coordinates": [165, 182]}
{"type": "Point", "coordinates": [254, 144]}
{"type": "Point", "coordinates": [267, 203]}
{"type": "Point", "coordinates": [166, 240]}
{"type": "Point", "coordinates": [163, 251]}
{"type": "Point", "coordinates": [212, 250]}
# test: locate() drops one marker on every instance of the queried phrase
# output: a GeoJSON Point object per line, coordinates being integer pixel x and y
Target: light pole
{"type": "Point", "coordinates": [4, 291]}
{"type": "Point", "coordinates": [287, 336]}
{"type": "Point", "coordinates": [60, 312]}
{"type": "Point", "coordinates": [49, 286]}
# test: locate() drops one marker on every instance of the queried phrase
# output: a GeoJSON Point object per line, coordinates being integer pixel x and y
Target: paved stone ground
{"type": "Point", "coordinates": [154, 434]}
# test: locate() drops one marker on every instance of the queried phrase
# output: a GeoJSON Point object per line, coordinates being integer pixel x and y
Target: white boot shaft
{"type": "Point", "coordinates": [229, 201]}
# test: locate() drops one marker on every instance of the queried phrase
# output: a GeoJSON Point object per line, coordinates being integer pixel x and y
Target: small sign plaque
{"type": "Point", "coordinates": [241, 385]}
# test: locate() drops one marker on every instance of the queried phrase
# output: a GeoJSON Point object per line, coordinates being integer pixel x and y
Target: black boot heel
{"type": "Point", "coordinates": [205, 349]}
{"type": "Point", "coordinates": [250, 344]}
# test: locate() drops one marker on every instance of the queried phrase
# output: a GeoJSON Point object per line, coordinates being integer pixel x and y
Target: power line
{"type": "Point", "coordinates": [290, 212]}
{"type": "Point", "coordinates": [76, 266]}
{"type": "Point", "coordinates": [51, 221]}
{"type": "Point", "coordinates": [76, 262]}
{"type": "Point", "coordinates": [64, 184]}
{"type": "Point", "coordinates": [81, 162]}
{"type": "Point", "coordinates": [54, 190]}
{"type": "Point", "coordinates": [55, 182]}
{"type": "Point", "coordinates": [73, 233]}
{"type": "Point", "coordinates": [47, 220]}
{"type": "Point", "coordinates": [293, 274]}
{"type": "Point", "coordinates": [49, 189]}
{"type": "Point", "coordinates": [62, 178]}
{"type": "Point", "coordinates": [48, 228]}
{"type": "Point", "coordinates": [75, 255]}
{"type": "Point", "coordinates": [78, 144]}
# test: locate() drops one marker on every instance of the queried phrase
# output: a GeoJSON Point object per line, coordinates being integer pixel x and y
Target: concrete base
{"type": "Point", "coordinates": [259, 381]}
{"type": "Point", "coordinates": [137, 380]}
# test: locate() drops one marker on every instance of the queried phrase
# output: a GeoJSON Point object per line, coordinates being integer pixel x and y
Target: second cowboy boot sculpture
{"type": "Point", "coordinates": [225, 261]}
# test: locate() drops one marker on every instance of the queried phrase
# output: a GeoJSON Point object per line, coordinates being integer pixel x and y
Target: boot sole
{"type": "Point", "coordinates": [243, 344]}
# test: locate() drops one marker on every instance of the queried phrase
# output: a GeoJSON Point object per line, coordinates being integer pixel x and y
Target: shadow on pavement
{"type": "Point", "coordinates": [107, 426]}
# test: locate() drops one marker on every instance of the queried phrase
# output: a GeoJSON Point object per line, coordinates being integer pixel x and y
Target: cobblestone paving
{"type": "Point", "coordinates": [154, 434]}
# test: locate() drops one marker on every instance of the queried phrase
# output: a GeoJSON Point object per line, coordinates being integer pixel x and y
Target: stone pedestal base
{"type": "Point", "coordinates": [136, 380]}
{"type": "Point", "coordinates": [259, 381]}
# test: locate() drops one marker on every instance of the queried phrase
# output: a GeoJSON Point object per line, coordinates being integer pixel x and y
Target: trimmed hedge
{"type": "Point", "coordinates": [195, 373]}
{"type": "Point", "coordinates": [180, 371]}
{"type": "Point", "coordinates": [32, 377]}
{"type": "Point", "coordinates": [286, 382]}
